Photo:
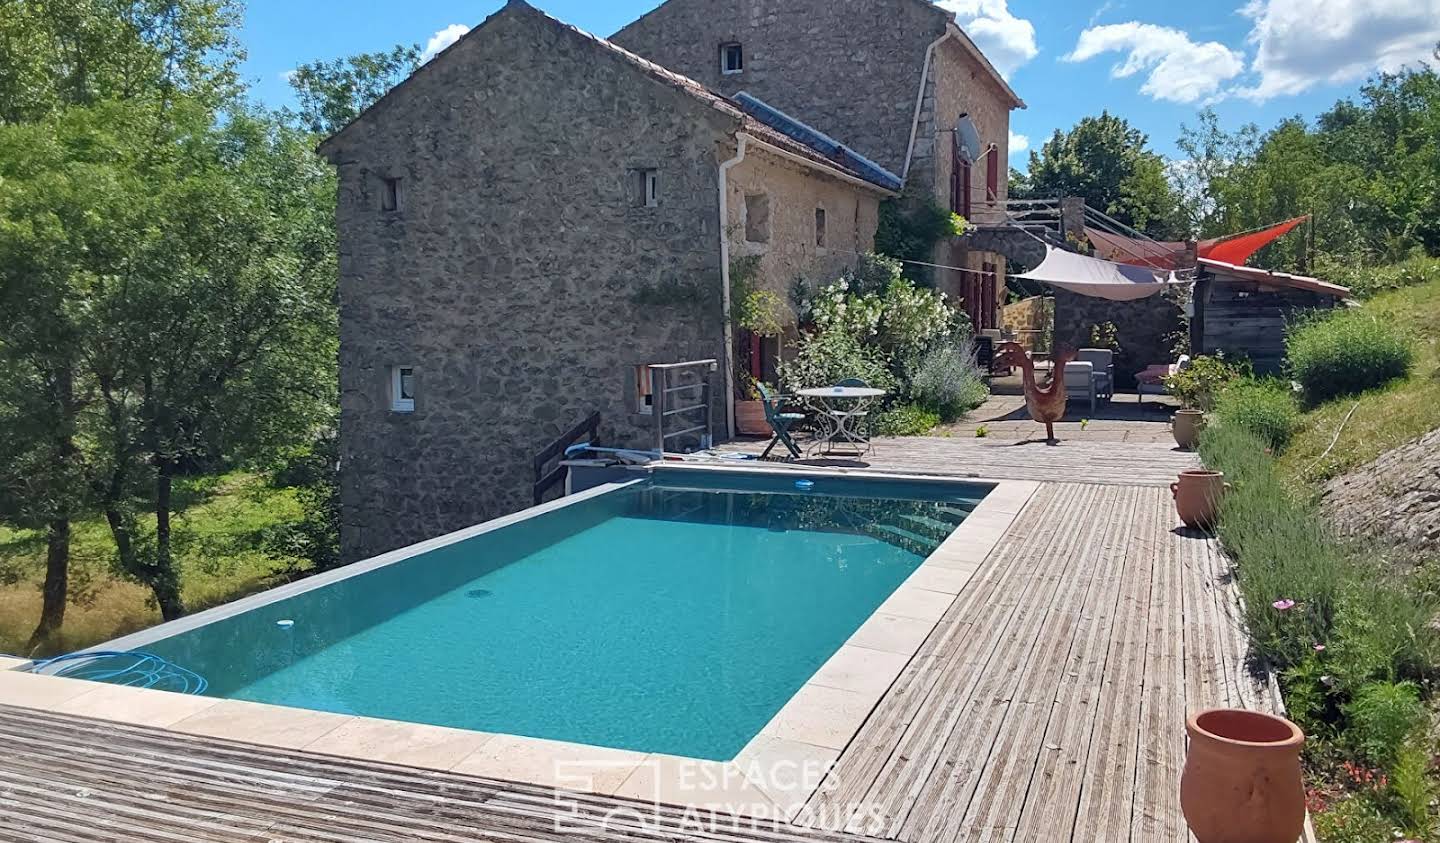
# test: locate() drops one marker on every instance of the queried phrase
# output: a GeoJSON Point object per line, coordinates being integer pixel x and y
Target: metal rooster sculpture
{"type": "Point", "coordinates": [1046, 404]}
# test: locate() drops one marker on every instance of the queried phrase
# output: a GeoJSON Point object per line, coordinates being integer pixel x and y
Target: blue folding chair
{"type": "Point", "coordinates": [779, 422]}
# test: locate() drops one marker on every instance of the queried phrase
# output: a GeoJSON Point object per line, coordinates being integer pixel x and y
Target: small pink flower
{"type": "Point", "coordinates": [1319, 648]}
{"type": "Point", "coordinates": [1284, 605]}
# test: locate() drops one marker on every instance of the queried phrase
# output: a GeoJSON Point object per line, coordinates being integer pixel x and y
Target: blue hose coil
{"type": "Point", "coordinates": [132, 669]}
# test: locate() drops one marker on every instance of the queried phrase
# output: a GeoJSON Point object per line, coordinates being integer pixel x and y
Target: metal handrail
{"type": "Point", "coordinates": [660, 390]}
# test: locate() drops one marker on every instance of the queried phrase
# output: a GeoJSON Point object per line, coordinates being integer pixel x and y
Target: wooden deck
{"type": "Point", "coordinates": [1047, 705]}
{"type": "Point", "coordinates": [1078, 460]}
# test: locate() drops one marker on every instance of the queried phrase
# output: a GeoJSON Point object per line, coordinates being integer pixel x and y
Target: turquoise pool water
{"type": "Point", "coordinates": [676, 615]}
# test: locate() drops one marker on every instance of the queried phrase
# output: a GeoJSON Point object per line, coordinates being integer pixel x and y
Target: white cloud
{"type": "Point", "coordinates": [1302, 43]}
{"type": "Point", "coordinates": [1006, 40]}
{"type": "Point", "coordinates": [1107, 6]}
{"type": "Point", "coordinates": [1019, 143]}
{"type": "Point", "coordinates": [1178, 69]}
{"type": "Point", "coordinates": [442, 39]}
{"type": "Point", "coordinates": [289, 75]}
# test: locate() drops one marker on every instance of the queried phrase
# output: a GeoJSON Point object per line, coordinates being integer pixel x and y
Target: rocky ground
{"type": "Point", "coordinates": [1397, 496]}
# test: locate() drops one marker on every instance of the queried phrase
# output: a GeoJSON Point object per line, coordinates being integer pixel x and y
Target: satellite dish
{"type": "Point", "coordinates": [967, 138]}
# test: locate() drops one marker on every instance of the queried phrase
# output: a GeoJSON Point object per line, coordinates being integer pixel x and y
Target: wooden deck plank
{"type": "Point", "coordinates": [1162, 703]}
{"type": "Point", "coordinates": [1048, 809]}
{"type": "Point", "coordinates": [1075, 460]}
{"type": "Point", "coordinates": [881, 744]}
{"type": "Point", "coordinates": [988, 740]}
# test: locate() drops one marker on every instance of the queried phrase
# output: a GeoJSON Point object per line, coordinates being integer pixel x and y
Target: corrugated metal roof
{"type": "Point", "coordinates": [1275, 279]}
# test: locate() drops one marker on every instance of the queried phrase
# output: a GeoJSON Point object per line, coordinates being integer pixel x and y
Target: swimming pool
{"type": "Point", "coordinates": [674, 614]}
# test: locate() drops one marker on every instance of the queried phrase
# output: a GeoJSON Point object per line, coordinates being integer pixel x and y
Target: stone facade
{"type": "Point", "coordinates": [511, 273]}
{"type": "Point", "coordinates": [794, 195]}
{"type": "Point", "coordinates": [850, 68]}
{"type": "Point", "coordinates": [854, 69]}
{"type": "Point", "coordinates": [1147, 329]}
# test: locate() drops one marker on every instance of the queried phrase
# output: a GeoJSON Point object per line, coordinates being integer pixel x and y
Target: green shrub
{"type": "Point", "coordinates": [1366, 280]}
{"type": "Point", "coordinates": [1353, 819]}
{"type": "Point", "coordinates": [1283, 549]}
{"type": "Point", "coordinates": [947, 382]}
{"type": "Point", "coordinates": [830, 356]}
{"type": "Point", "coordinates": [1382, 630]}
{"type": "Point", "coordinates": [1383, 716]}
{"type": "Point", "coordinates": [1198, 386]}
{"type": "Point", "coordinates": [905, 420]}
{"type": "Point", "coordinates": [1265, 408]}
{"type": "Point", "coordinates": [1412, 790]}
{"type": "Point", "coordinates": [1344, 353]}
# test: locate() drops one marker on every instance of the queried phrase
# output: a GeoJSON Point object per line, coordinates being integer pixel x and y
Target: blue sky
{"type": "Point", "coordinates": [1154, 63]}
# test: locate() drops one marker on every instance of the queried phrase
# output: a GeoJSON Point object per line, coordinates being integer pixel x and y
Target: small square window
{"type": "Point", "coordinates": [402, 389]}
{"type": "Point", "coordinates": [732, 58]}
{"type": "Point", "coordinates": [820, 227]}
{"type": "Point", "coordinates": [389, 194]}
{"type": "Point", "coordinates": [757, 218]}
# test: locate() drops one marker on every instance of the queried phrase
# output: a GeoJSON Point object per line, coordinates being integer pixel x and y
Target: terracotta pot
{"type": "Point", "coordinates": [1186, 426]}
{"type": "Point", "coordinates": [750, 418]}
{"type": "Point", "coordinates": [1242, 778]}
{"type": "Point", "coordinates": [1197, 496]}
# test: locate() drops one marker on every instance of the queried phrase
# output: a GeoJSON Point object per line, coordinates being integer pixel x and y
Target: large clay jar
{"type": "Point", "coordinates": [1186, 426]}
{"type": "Point", "coordinates": [1242, 778]}
{"type": "Point", "coordinates": [1197, 497]}
{"type": "Point", "coordinates": [750, 418]}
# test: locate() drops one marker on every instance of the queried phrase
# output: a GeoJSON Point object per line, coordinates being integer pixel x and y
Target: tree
{"type": "Point", "coordinates": [1106, 161]}
{"type": "Point", "coordinates": [332, 93]}
{"type": "Point", "coordinates": [81, 52]}
{"type": "Point", "coordinates": [1368, 170]}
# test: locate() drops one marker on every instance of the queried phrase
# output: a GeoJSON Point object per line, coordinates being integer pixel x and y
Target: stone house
{"type": "Point", "coordinates": [894, 79]}
{"type": "Point", "coordinates": [524, 224]}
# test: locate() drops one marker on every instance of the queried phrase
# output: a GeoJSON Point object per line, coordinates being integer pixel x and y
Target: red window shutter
{"type": "Point", "coordinates": [992, 174]}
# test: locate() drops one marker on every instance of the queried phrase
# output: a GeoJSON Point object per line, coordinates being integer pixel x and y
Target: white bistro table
{"type": "Point", "coordinates": [842, 408]}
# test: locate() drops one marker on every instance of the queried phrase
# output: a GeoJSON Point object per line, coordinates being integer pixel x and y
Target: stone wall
{"type": "Point", "coordinates": [1396, 497]}
{"type": "Point", "coordinates": [1145, 329]}
{"type": "Point", "coordinates": [794, 193]}
{"type": "Point", "coordinates": [850, 68]}
{"type": "Point", "coordinates": [507, 278]}
{"type": "Point", "coordinates": [959, 84]}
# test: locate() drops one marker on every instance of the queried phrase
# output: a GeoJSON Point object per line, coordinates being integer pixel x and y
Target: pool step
{"type": "Point", "coordinates": [955, 512]}
{"type": "Point", "coordinates": [902, 538]}
{"type": "Point", "coordinates": [932, 528]}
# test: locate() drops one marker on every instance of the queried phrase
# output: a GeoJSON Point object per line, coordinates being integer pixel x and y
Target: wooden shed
{"type": "Point", "coordinates": [1244, 311]}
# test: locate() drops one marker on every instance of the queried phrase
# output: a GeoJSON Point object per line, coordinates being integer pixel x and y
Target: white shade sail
{"type": "Point", "coordinates": [1098, 278]}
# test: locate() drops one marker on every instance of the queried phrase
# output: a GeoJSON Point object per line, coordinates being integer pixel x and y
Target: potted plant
{"type": "Point", "coordinates": [1241, 782]}
{"type": "Point", "coordinates": [1196, 386]}
{"type": "Point", "coordinates": [750, 408]}
{"type": "Point", "coordinates": [1197, 497]}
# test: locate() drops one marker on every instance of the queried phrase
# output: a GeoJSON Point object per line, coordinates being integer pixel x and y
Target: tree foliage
{"type": "Point", "coordinates": [1368, 170]}
{"type": "Point", "coordinates": [167, 257]}
{"type": "Point", "coordinates": [1108, 163]}
{"type": "Point", "coordinates": [332, 93]}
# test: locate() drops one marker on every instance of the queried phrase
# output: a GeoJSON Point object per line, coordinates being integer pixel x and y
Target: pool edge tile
{"type": "Point", "coordinates": [787, 771]}
{"type": "Point", "coordinates": [33, 690]}
{"type": "Point", "coordinates": [821, 716]}
{"type": "Point", "coordinates": [569, 766]}
{"type": "Point", "coordinates": [861, 669]}
{"type": "Point", "coordinates": [398, 742]}
{"type": "Point", "coordinates": [136, 706]}
{"type": "Point", "coordinates": [261, 723]}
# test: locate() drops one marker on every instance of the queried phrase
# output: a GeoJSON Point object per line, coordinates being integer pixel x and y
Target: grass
{"type": "Point", "coordinates": [219, 534]}
{"type": "Point", "coordinates": [1380, 419]}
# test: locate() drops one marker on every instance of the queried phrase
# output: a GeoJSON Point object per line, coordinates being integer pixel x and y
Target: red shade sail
{"type": "Point", "coordinates": [1166, 254]}
{"type": "Point", "coordinates": [1237, 250]}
